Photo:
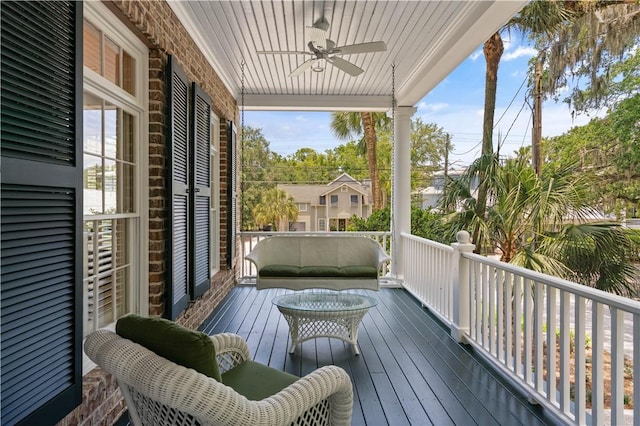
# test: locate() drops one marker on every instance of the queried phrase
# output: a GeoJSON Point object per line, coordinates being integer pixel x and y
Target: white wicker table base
{"type": "Point", "coordinates": [305, 325]}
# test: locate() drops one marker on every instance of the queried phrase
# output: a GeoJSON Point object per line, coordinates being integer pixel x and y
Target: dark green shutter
{"type": "Point", "coordinates": [41, 211]}
{"type": "Point", "coordinates": [201, 197]}
{"type": "Point", "coordinates": [231, 192]}
{"type": "Point", "coordinates": [177, 290]}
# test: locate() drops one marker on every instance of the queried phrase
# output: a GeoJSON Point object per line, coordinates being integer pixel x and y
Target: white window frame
{"type": "Point", "coordinates": [137, 105]}
{"type": "Point", "coordinates": [214, 206]}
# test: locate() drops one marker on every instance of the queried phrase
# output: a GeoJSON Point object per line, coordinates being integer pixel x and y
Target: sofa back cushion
{"type": "Point", "coordinates": [189, 348]}
{"type": "Point", "coordinates": [319, 251]}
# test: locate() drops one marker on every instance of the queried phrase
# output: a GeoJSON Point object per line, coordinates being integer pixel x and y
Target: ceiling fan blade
{"type": "Point", "coordinates": [317, 36]}
{"type": "Point", "coordinates": [283, 52]}
{"type": "Point", "coordinates": [373, 46]}
{"type": "Point", "coordinates": [302, 68]}
{"type": "Point", "coordinates": [345, 66]}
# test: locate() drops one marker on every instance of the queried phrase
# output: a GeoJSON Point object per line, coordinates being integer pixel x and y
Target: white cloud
{"type": "Point", "coordinates": [475, 55]}
{"type": "Point", "coordinates": [507, 44]}
{"type": "Point", "coordinates": [432, 107]}
{"type": "Point", "coordinates": [520, 52]}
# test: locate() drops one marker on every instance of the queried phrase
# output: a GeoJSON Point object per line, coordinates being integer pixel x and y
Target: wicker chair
{"type": "Point", "coordinates": [160, 392]}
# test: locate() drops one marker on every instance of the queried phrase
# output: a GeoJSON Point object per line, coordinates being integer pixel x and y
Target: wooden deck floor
{"type": "Point", "coordinates": [410, 370]}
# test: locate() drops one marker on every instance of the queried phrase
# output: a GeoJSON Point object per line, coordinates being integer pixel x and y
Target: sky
{"type": "Point", "coordinates": [455, 105]}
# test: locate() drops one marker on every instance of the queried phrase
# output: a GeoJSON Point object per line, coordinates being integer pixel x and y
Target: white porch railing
{"type": "Point", "coordinates": [515, 317]}
{"type": "Point", "coordinates": [248, 240]}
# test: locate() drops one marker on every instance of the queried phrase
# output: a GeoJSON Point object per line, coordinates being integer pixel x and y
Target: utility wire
{"type": "Point", "coordinates": [513, 123]}
{"type": "Point", "coordinates": [512, 99]}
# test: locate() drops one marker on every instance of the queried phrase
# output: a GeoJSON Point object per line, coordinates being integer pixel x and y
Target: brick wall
{"type": "Point", "coordinates": [156, 23]}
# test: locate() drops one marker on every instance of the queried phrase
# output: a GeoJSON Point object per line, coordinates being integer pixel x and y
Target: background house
{"type": "Point", "coordinates": [329, 207]}
{"type": "Point", "coordinates": [431, 196]}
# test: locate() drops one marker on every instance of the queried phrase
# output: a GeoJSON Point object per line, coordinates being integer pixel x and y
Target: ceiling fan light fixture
{"type": "Point", "coordinates": [319, 66]}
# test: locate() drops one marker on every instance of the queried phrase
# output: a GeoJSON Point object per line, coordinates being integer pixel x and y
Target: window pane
{"type": "Point", "coordinates": [110, 187]}
{"type": "Point", "coordinates": [110, 130]}
{"type": "Point", "coordinates": [107, 267]}
{"type": "Point", "coordinates": [92, 124]}
{"type": "Point", "coordinates": [125, 151]}
{"type": "Point", "coordinates": [128, 73]}
{"type": "Point", "coordinates": [125, 180]}
{"type": "Point", "coordinates": [91, 47]}
{"type": "Point", "coordinates": [111, 61]}
{"type": "Point", "coordinates": [92, 177]}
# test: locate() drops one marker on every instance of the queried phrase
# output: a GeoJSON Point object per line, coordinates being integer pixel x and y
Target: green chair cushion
{"type": "Point", "coordinates": [189, 348]}
{"type": "Point", "coordinates": [319, 271]}
{"type": "Point", "coordinates": [257, 381]}
{"type": "Point", "coordinates": [359, 271]}
{"type": "Point", "coordinates": [279, 271]}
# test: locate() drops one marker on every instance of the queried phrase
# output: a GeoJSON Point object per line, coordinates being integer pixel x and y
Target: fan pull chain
{"type": "Point", "coordinates": [393, 161]}
{"type": "Point", "coordinates": [242, 90]}
{"type": "Point", "coordinates": [242, 65]}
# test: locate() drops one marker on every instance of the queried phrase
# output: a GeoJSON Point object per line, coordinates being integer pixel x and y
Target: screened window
{"type": "Point", "coordinates": [354, 200]}
{"type": "Point", "coordinates": [334, 200]}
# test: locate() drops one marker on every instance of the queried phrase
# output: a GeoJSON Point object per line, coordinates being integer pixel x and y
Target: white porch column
{"type": "Point", "coordinates": [401, 195]}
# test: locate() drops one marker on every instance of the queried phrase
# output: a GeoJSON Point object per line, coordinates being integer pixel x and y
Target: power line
{"type": "Point", "coordinates": [514, 122]}
{"type": "Point", "coordinates": [511, 103]}
{"type": "Point", "coordinates": [466, 152]}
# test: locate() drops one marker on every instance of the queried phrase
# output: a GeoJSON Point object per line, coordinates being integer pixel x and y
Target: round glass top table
{"type": "Point", "coordinates": [324, 314]}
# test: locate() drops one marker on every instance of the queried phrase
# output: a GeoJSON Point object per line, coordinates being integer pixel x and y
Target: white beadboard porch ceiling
{"type": "Point", "coordinates": [425, 40]}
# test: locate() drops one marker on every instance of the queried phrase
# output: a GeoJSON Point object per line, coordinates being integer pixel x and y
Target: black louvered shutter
{"type": "Point", "coordinates": [41, 211]}
{"type": "Point", "coordinates": [231, 192]}
{"type": "Point", "coordinates": [177, 290]}
{"type": "Point", "coordinates": [201, 197]}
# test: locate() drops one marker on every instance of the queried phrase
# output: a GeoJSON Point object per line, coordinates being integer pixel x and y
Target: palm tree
{"type": "Point", "coordinates": [275, 207]}
{"type": "Point", "coordinates": [537, 17]}
{"type": "Point", "coordinates": [347, 124]}
{"type": "Point", "coordinates": [527, 220]}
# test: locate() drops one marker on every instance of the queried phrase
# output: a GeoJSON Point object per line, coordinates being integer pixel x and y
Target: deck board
{"type": "Point", "coordinates": [410, 371]}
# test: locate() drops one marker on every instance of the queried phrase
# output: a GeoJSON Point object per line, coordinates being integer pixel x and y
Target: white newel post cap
{"type": "Point", "coordinates": [463, 237]}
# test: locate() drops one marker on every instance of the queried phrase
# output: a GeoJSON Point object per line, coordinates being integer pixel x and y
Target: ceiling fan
{"type": "Point", "coordinates": [325, 51]}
